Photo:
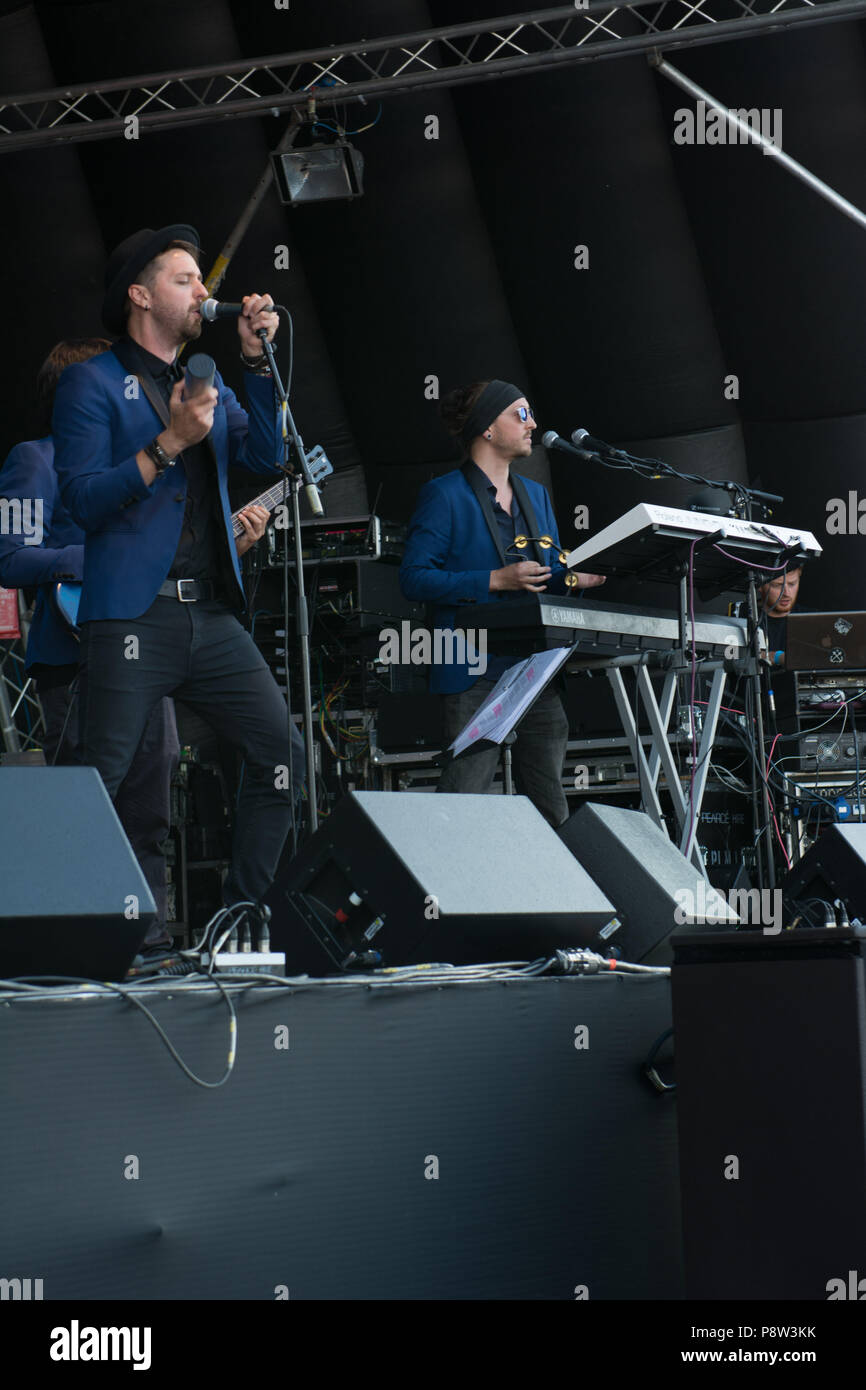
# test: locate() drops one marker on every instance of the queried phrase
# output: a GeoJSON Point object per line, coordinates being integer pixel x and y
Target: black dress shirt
{"type": "Point", "coordinates": [200, 553]}
{"type": "Point", "coordinates": [509, 527]}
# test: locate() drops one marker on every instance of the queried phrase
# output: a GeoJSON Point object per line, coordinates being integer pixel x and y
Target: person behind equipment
{"type": "Point", "coordinates": [462, 548]}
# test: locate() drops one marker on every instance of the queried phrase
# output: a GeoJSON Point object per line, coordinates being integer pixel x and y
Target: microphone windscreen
{"type": "Point", "coordinates": [198, 374]}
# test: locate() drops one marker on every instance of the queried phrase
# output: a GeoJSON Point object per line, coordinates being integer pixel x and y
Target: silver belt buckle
{"type": "Point", "coordinates": [180, 583]}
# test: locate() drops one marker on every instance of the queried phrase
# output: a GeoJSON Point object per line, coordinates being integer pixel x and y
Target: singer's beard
{"type": "Point", "coordinates": [178, 327]}
{"type": "Point", "coordinates": [523, 451]}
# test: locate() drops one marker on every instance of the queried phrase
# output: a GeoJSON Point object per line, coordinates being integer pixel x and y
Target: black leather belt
{"type": "Point", "coordinates": [189, 590]}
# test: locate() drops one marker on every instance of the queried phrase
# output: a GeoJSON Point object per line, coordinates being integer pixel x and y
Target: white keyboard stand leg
{"type": "Point", "coordinates": [688, 843]}
{"type": "Point", "coordinates": [687, 809]}
{"type": "Point", "coordinates": [647, 778]}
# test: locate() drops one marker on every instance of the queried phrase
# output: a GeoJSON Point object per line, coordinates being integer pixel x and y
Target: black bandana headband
{"type": "Point", "coordinates": [496, 397]}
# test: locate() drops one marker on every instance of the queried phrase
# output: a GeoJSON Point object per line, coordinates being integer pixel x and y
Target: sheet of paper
{"type": "Point", "coordinates": [510, 698]}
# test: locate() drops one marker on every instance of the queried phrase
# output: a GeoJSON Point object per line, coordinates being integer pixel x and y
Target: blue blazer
{"type": "Point", "coordinates": [449, 556]}
{"type": "Point", "coordinates": [101, 421]}
{"type": "Point", "coordinates": [29, 473]}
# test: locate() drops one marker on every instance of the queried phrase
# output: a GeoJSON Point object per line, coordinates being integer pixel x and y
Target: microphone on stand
{"type": "Point", "coordinates": [552, 440]}
{"type": "Point", "coordinates": [582, 439]}
{"type": "Point", "coordinates": [213, 309]}
{"type": "Point", "coordinates": [311, 491]}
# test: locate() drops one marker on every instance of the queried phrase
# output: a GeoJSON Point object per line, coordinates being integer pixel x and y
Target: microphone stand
{"type": "Point", "coordinates": [758, 679]}
{"type": "Point", "coordinates": [302, 619]}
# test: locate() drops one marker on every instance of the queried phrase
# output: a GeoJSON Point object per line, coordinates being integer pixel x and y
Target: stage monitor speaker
{"type": "Point", "coordinates": [73, 899]}
{"type": "Point", "coordinates": [834, 867]}
{"type": "Point", "coordinates": [771, 1065]}
{"type": "Point", "coordinates": [399, 878]}
{"type": "Point", "coordinates": [653, 887]}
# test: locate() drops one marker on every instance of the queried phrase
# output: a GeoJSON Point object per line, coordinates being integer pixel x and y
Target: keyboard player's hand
{"type": "Point", "coordinates": [527, 575]}
{"type": "Point", "coordinates": [589, 581]}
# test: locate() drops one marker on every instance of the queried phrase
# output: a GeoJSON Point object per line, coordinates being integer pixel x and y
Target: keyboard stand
{"type": "Point", "coordinates": [658, 764]}
{"type": "Point", "coordinates": [661, 764]}
{"type": "Point", "coordinates": [667, 544]}
{"type": "Point", "coordinates": [691, 560]}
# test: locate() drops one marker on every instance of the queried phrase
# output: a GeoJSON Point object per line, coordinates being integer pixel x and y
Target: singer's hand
{"type": "Point", "coordinates": [258, 313]}
{"type": "Point", "coordinates": [191, 420]}
{"type": "Point", "coordinates": [589, 581]}
{"type": "Point", "coordinates": [254, 519]}
{"type": "Point", "coordinates": [527, 574]}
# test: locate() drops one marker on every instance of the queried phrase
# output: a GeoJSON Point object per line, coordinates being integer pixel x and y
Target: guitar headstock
{"type": "Point", "coordinates": [319, 464]}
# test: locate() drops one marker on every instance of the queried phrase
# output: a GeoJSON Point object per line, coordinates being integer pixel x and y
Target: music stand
{"type": "Point", "coordinates": [495, 722]}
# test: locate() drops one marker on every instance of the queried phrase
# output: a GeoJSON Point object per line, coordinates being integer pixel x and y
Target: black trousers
{"type": "Point", "coordinates": [200, 653]}
{"type": "Point", "coordinates": [143, 799]}
{"type": "Point", "coordinates": [538, 752]}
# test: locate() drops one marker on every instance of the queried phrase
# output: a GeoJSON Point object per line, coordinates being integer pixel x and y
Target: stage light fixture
{"type": "Point", "coordinates": [319, 173]}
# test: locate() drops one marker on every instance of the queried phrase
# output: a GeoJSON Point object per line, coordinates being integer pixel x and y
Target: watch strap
{"type": "Point", "coordinates": [158, 456]}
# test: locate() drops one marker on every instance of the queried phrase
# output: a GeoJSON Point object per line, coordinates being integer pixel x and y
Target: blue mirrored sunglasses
{"type": "Point", "coordinates": [523, 412]}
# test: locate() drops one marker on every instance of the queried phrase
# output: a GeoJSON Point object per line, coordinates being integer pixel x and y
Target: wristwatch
{"type": "Point", "coordinates": [159, 457]}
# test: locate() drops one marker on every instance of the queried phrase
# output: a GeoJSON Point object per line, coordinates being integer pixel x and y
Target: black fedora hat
{"type": "Point", "coordinates": [126, 263]}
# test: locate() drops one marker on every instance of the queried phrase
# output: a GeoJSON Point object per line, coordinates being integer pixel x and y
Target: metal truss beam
{"type": "Point", "coordinates": [743, 130]}
{"type": "Point", "coordinates": [535, 41]}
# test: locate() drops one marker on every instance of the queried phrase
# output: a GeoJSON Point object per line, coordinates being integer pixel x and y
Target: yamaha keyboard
{"type": "Point", "coordinates": [532, 622]}
{"type": "Point", "coordinates": [654, 541]}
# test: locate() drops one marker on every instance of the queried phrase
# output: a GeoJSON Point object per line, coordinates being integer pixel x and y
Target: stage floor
{"type": "Point", "coordinates": [384, 1141]}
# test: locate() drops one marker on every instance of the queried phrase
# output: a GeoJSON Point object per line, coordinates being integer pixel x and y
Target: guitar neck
{"type": "Point", "coordinates": [267, 499]}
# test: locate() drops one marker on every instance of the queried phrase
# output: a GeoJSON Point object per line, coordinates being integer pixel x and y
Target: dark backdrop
{"type": "Point", "coordinates": [458, 262]}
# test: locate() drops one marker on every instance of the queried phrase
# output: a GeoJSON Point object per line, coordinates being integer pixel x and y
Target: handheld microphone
{"type": "Point", "coordinates": [552, 440]}
{"type": "Point", "coordinates": [213, 309]}
{"type": "Point", "coordinates": [198, 375]}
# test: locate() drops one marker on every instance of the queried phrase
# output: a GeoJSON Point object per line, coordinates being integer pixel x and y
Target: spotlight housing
{"type": "Point", "coordinates": [319, 173]}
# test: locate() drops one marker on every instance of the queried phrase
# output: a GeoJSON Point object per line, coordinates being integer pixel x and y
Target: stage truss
{"type": "Point", "coordinates": [519, 44]}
